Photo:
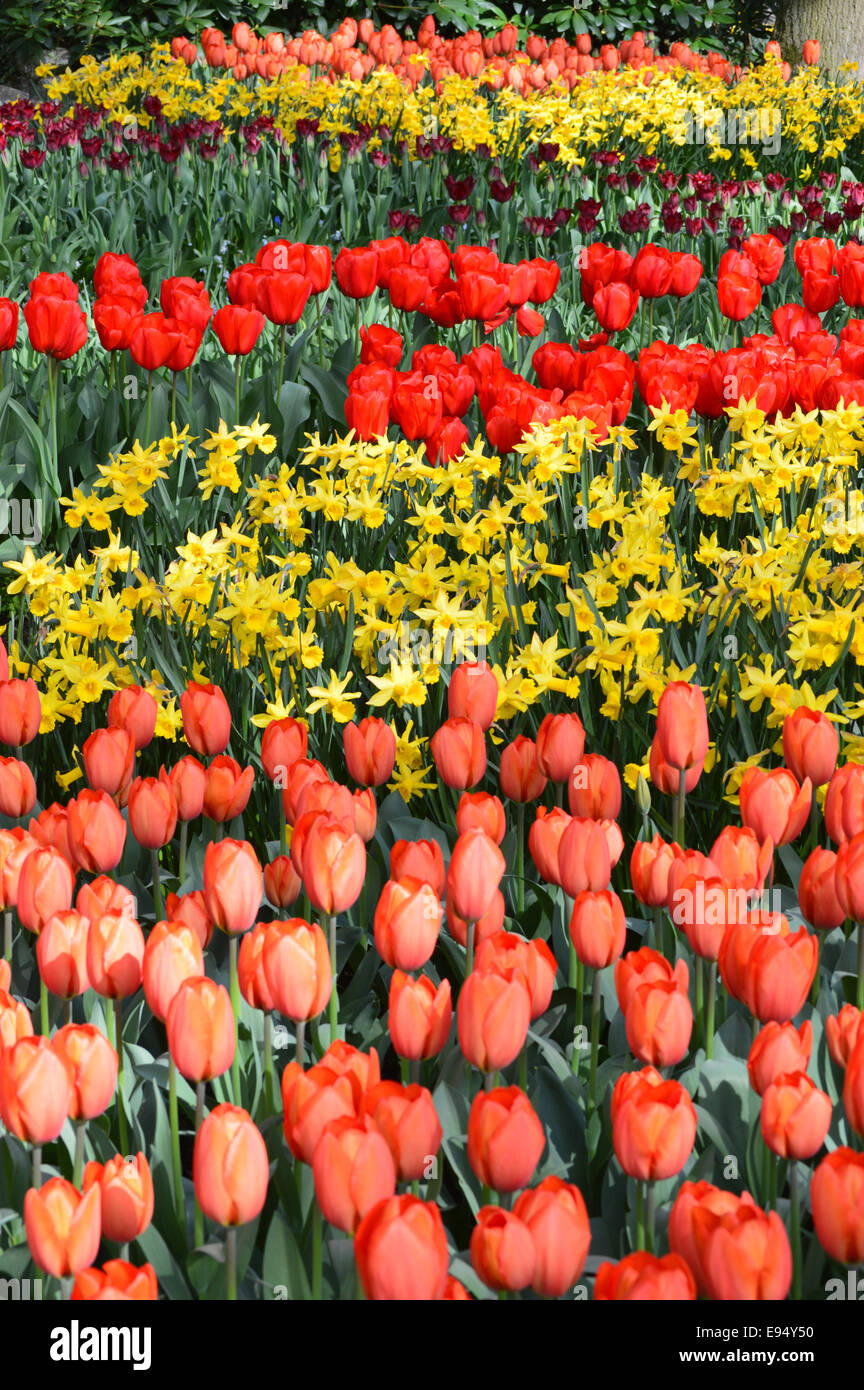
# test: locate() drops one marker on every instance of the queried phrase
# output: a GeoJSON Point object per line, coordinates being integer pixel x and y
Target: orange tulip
{"type": "Point", "coordinates": [818, 895]}
{"type": "Point", "coordinates": [20, 712]}
{"type": "Point", "coordinates": [646, 1277]}
{"type": "Point", "coordinates": [152, 812]}
{"type": "Point", "coordinates": [127, 1196]}
{"type": "Point", "coordinates": [61, 953]}
{"type": "Point", "coordinates": [560, 745]}
{"type": "Point", "coordinates": [15, 846]}
{"type": "Point", "coordinates": [97, 832]}
{"type": "Point", "coordinates": [233, 884]}
{"type": "Point", "coordinates": [187, 780]}
{"type": "Point", "coordinates": [227, 789]}
{"type": "Point", "coordinates": [584, 862]}
{"type": "Point", "coordinates": [15, 1020]}
{"type": "Point", "coordinates": [334, 866]}
{"type": "Point", "coordinates": [191, 908]}
{"type": "Point", "coordinates": [34, 1090]}
{"type": "Point", "coordinates": [594, 789]}
{"type": "Point", "coordinates": [473, 693]}
{"type": "Point", "coordinates": [780, 972]}
{"type": "Point", "coordinates": [401, 1251]}
{"type": "Point", "coordinates": [206, 718]}
{"type": "Point", "coordinates": [353, 1170]}
{"type": "Point", "coordinates": [502, 1249]}
{"type": "Point", "coordinates": [296, 778]}
{"type": "Point", "coordinates": [370, 751]}
{"type": "Point", "coordinates": [773, 804]}
{"type": "Point", "coordinates": [420, 1015]}
{"type": "Point", "coordinates": [659, 1023]}
{"type": "Point", "coordinates": [505, 1138]}
{"type": "Point", "coordinates": [63, 1227]}
{"type": "Point", "coordinates": [505, 950]}
{"type": "Point", "coordinates": [282, 884]}
{"type": "Point", "coordinates": [653, 1125]}
{"type": "Point", "coordinates": [17, 788]}
{"type": "Point", "coordinates": [172, 954]}
{"type": "Point", "coordinates": [117, 1279]}
{"type": "Point", "coordinates": [311, 1099]}
{"type": "Point", "coordinates": [744, 1253]}
{"type": "Point", "coordinates": [365, 813]}
{"type": "Point", "coordinates": [474, 873]}
{"type": "Point", "coordinates": [692, 1197]}
{"type": "Point", "coordinates": [250, 969]}
{"type": "Point", "coordinates": [104, 895]}
{"type": "Point", "coordinates": [795, 1116]}
{"type": "Point", "coordinates": [115, 955]}
{"type": "Point", "coordinates": [109, 761]}
{"type": "Point", "coordinates": [555, 1214]}
{"type": "Point", "coordinates": [230, 1167]}
{"type": "Point", "coordinates": [778, 1048]}
{"type": "Point", "coordinates": [200, 1028]}
{"type": "Point", "coordinates": [704, 907]}
{"type": "Point", "coordinates": [480, 811]}
{"type": "Point", "coordinates": [459, 751]}
{"type": "Point", "coordinates": [407, 1118]}
{"type": "Point", "coordinates": [492, 1015]}
{"type": "Point", "coordinates": [598, 928]}
{"type": "Point", "coordinates": [419, 859]}
{"type": "Point", "coordinates": [283, 743]}
{"type": "Point", "coordinates": [51, 827]}
{"type": "Point", "coordinates": [740, 858]}
{"type": "Point", "coordinates": [848, 877]}
{"type": "Point", "coordinates": [837, 1201]}
{"type": "Point", "coordinates": [363, 1069]}
{"type": "Point", "coordinates": [297, 968]}
{"type": "Point", "coordinates": [491, 922]}
{"type": "Point", "coordinates": [650, 863]}
{"type": "Point", "coordinates": [135, 709]}
{"type": "Point", "coordinates": [810, 745]}
{"type": "Point", "coordinates": [520, 774]}
{"type": "Point", "coordinates": [643, 967]}
{"type": "Point", "coordinates": [842, 1032]}
{"type": "Point", "coordinates": [45, 886]}
{"type": "Point", "coordinates": [544, 839]}
{"type": "Point", "coordinates": [844, 803]}
{"type": "Point", "coordinates": [665, 777]}
{"type": "Point", "coordinates": [682, 725]}
{"type": "Point", "coordinates": [91, 1064]}
{"type": "Point", "coordinates": [407, 922]}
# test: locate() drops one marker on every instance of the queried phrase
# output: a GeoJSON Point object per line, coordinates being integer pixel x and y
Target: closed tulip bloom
{"type": "Point", "coordinates": [556, 1216]}
{"type": "Point", "coordinates": [560, 745]}
{"type": "Point", "coordinates": [473, 874]}
{"type": "Point", "coordinates": [459, 751]}
{"type": "Point", "coordinates": [233, 884]}
{"type": "Point", "coordinates": [109, 761]}
{"type": "Point", "coordinates": [310, 1100]}
{"type": "Point", "coordinates": [45, 886]}
{"type": "Point", "coordinates": [353, 1170]}
{"type": "Point", "coordinates": [206, 718]}
{"type": "Point", "coordinates": [520, 774]}
{"type": "Point", "coordinates": [659, 1023]}
{"type": "Point", "coordinates": [356, 271]}
{"type": "Point", "coordinates": [187, 780]}
{"type": "Point", "coordinates": [370, 751]}
{"type": "Point", "coordinates": [97, 832]}
{"type": "Point", "coordinates": [594, 789]}
{"type": "Point", "coordinates": [544, 839]}
{"type": "Point", "coordinates": [853, 1089]}
{"type": "Point", "coordinates": [20, 712]}
{"type": "Point", "coordinates": [200, 1029]}
{"type": "Point", "coordinates": [51, 827]}
{"type": "Point", "coordinates": [17, 788]}
{"type": "Point", "coordinates": [420, 1015]}
{"type": "Point", "coordinates": [282, 883]}
{"type": "Point", "coordinates": [773, 804]}
{"type": "Point", "coordinates": [479, 810]}
{"type": "Point", "coordinates": [810, 745]}
{"type": "Point", "coordinates": [704, 907]}
{"type": "Point", "coordinates": [502, 1249]}
{"type": "Point", "coordinates": [780, 973]}
{"type": "Point", "coordinates": [473, 693]}
{"type": "Point", "coordinates": [91, 1064]}
{"type": "Point", "coordinates": [191, 909]}
{"type": "Point", "coordinates": [682, 725]}
{"type": "Point", "coordinates": [230, 1167]}
{"type": "Point", "coordinates": [505, 1138]}
{"type": "Point", "coordinates": [135, 709]}
{"type": "Point", "coordinates": [795, 1116]}
{"type": "Point", "coordinates": [844, 803]}
{"type": "Point", "coordinates": [250, 969]}
{"type": "Point", "coordinates": [778, 1048]}
{"type": "Point", "coordinates": [61, 953]}
{"type": "Point", "coordinates": [842, 1031]}
{"type": "Point", "coordinates": [419, 859]}
{"type": "Point", "coordinates": [740, 857]}
{"type": "Point", "coordinates": [645, 1277]}
{"type": "Point", "coordinates": [227, 788]}
{"type": "Point", "coordinates": [667, 778]}
{"type": "Point", "coordinates": [238, 328]}
{"type": "Point", "coordinates": [492, 1015]}
{"type": "Point", "coordinates": [365, 813]}
{"type": "Point", "coordinates": [744, 1254]}
{"type": "Point", "coordinates": [738, 295]}
{"type": "Point", "coordinates": [115, 955]}
{"type": "Point", "coordinates": [407, 1118]}
{"type": "Point", "coordinates": [15, 1020]}
{"type": "Point", "coordinates": [297, 968]}
{"type": "Point", "coordinates": [172, 954]}
{"type": "Point", "coordinates": [837, 1202]}
{"type": "Point", "coordinates": [363, 1069]}
{"type": "Point", "coordinates": [8, 324]}
{"type": "Point", "coordinates": [848, 877]}
{"type": "Point", "coordinates": [598, 927]}
{"type": "Point", "coordinates": [103, 895]}
{"type": "Point", "coordinates": [283, 743]}
{"type": "Point", "coordinates": [653, 1125]}
{"type": "Point", "coordinates": [491, 922]}
{"type": "Point", "coordinates": [646, 966]}
{"type": "Point", "coordinates": [615, 304]}
{"type": "Point", "coordinates": [15, 846]}
{"type": "Point", "coordinates": [34, 1090]}
{"type": "Point", "coordinates": [505, 950]}
{"type": "Point", "coordinates": [334, 865]}
{"type": "Point", "coordinates": [584, 862]}
{"type": "Point", "coordinates": [401, 1251]}
{"type": "Point", "coordinates": [650, 863]}
{"type": "Point", "coordinates": [692, 1197]}
{"type": "Point", "coordinates": [152, 812]}
{"type": "Point", "coordinates": [818, 895]}
{"type": "Point", "coordinates": [407, 922]}
{"type": "Point", "coordinates": [63, 1226]}
{"type": "Point", "coordinates": [117, 1280]}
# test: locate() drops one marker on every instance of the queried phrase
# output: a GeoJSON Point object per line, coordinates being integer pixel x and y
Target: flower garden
{"type": "Point", "coordinates": [432, 791]}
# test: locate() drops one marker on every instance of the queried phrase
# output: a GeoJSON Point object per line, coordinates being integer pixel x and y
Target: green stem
{"type": "Point", "coordinates": [237, 361]}
{"type": "Point", "coordinates": [235, 1005]}
{"type": "Point", "coordinates": [281, 357]}
{"type": "Point", "coordinates": [469, 948]}
{"type": "Point", "coordinates": [37, 1165]}
{"type": "Point", "coordinates": [7, 936]}
{"type": "Point", "coordinates": [317, 1251]}
{"type": "Point", "coordinates": [115, 1009]}
{"type": "Point", "coordinates": [334, 993]}
{"type": "Point", "coordinates": [158, 900]}
{"type": "Point", "coordinates": [231, 1263]}
{"type": "Point", "coordinates": [405, 1070]}
{"type": "Point", "coordinates": [268, 1060]}
{"type": "Point", "coordinates": [679, 807]}
{"type": "Point", "coordinates": [199, 1116]}
{"type": "Point", "coordinates": [66, 1286]}
{"type": "Point", "coordinates": [181, 867]}
{"type": "Point", "coordinates": [700, 999]}
{"type": "Point", "coordinates": [43, 1010]}
{"type": "Point", "coordinates": [523, 1067]}
{"type": "Point", "coordinates": [78, 1168]}
{"type": "Point", "coordinates": [520, 858]}
{"type": "Point", "coordinates": [299, 1041]}
{"type": "Point", "coordinates": [595, 1038]}
{"type": "Point", "coordinates": [640, 1216]}
{"type": "Point", "coordinates": [658, 930]}
{"type": "Point", "coordinates": [147, 417]}
{"type": "Point", "coordinates": [709, 1011]}
{"type": "Point", "coordinates": [174, 1119]}
{"type": "Point", "coordinates": [650, 1201]}
{"type": "Point", "coordinates": [795, 1228]}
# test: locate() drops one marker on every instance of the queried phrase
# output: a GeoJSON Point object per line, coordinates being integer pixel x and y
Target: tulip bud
{"type": "Point", "coordinates": [420, 1015]}
{"type": "Point", "coordinates": [34, 1091]}
{"type": "Point", "coordinates": [353, 1170]}
{"type": "Point", "coordinates": [594, 789]}
{"type": "Point", "coordinates": [598, 928]}
{"type": "Point", "coordinates": [297, 968]}
{"type": "Point", "coordinates": [126, 1186]}
{"type": "Point", "coordinates": [206, 718]}
{"type": "Point", "coordinates": [92, 1066]}
{"type": "Point", "coordinates": [473, 693]}
{"type": "Point", "coordinates": [810, 745]}
{"type": "Point", "coordinates": [230, 1166]}
{"type": "Point", "coordinates": [459, 751]}
{"type": "Point", "coordinates": [63, 1226]}
{"type": "Point", "coordinates": [134, 709]}
{"type": "Point", "coordinates": [172, 954]}
{"type": "Point", "coordinates": [45, 886]}
{"type": "Point", "coordinates": [560, 745]}
{"type": "Point", "coordinates": [233, 884]}
{"type": "Point", "coordinates": [200, 1028]}
{"type": "Point", "coordinates": [401, 1251]}
{"type": "Point", "coordinates": [152, 812]}
{"type": "Point", "coordinates": [187, 780]}
{"type": "Point", "coordinates": [370, 751]}
{"type": "Point", "coordinates": [505, 1138]}
{"type": "Point", "coordinates": [836, 1199]}
{"type": "Point", "coordinates": [645, 1277]}
{"type": "Point", "coordinates": [493, 1014]}
{"type": "Point", "coordinates": [109, 761]}
{"type": "Point", "coordinates": [502, 1249]}
{"type": "Point", "coordinates": [115, 955]}
{"type": "Point", "coordinates": [556, 1216]}
{"type": "Point", "coordinates": [17, 789]}
{"type": "Point", "coordinates": [778, 1048]}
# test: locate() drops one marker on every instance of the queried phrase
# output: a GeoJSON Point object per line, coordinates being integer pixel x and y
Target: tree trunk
{"type": "Point", "coordinates": [837, 24]}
